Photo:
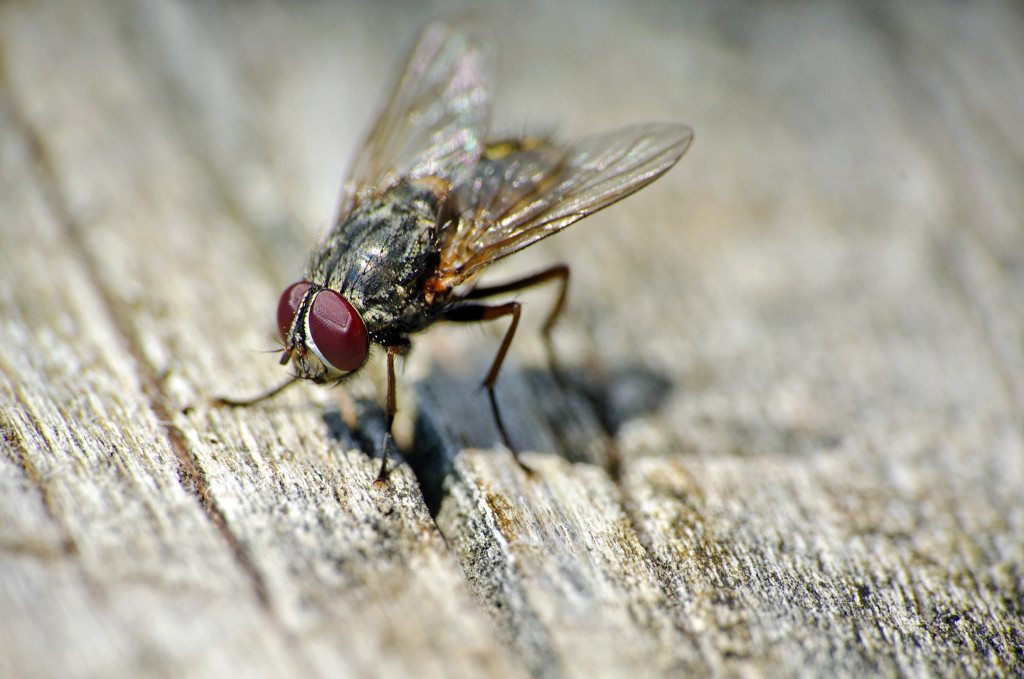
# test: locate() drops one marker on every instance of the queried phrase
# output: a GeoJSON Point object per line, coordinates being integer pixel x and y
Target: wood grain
{"type": "Point", "coordinates": [786, 439]}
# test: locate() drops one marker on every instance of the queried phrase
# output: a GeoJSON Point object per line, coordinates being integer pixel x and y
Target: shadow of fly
{"type": "Point", "coordinates": [431, 201]}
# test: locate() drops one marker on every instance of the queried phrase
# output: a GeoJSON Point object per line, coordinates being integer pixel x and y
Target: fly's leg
{"type": "Point", "coordinates": [558, 272]}
{"type": "Point", "coordinates": [390, 409]}
{"type": "Point", "coordinates": [243, 402]}
{"type": "Point", "coordinates": [474, 313]}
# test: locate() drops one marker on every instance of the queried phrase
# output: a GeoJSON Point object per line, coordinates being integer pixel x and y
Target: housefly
{"type": "Point", "coordinates": [431, 201]}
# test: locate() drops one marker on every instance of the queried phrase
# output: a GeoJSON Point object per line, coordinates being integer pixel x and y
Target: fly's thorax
{"type": "Point", "coordinates": [380, 254]}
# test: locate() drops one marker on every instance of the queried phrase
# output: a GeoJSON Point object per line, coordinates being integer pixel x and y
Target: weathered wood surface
{"type": "Point", "coordinates": [789, 441]}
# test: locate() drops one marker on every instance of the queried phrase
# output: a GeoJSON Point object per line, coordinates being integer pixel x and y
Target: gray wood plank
{"type": "Point", "coordinates": [333, 576]}
{"type": "Point", "coordinates": [110, 564]}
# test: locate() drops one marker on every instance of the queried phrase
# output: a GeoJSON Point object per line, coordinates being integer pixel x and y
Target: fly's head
{"type": "Point", "coordinates": [321, 331]}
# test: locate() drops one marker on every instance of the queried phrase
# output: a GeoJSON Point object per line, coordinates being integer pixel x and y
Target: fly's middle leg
{"type": "Point", "coordinates": [391, 407]}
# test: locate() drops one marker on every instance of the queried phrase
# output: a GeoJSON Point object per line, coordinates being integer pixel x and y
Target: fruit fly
{"type": "Point", "coordinates": [431, 201]}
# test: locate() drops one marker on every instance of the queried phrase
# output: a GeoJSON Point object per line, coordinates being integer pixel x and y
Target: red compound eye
{"type": "Point", "coordinates": [337, 333]}
{"type": "Point", "coordinates": [289, 306]}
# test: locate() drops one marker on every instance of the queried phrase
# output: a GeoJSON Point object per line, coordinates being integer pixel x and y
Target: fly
{"type": "Point", "coordinates": [430, 202]}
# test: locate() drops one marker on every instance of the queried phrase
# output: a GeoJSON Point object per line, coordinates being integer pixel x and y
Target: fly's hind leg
{"type": "Point", "coordinates": [474, 313]}
{"type": "Point", "coordinates": [559, 272]}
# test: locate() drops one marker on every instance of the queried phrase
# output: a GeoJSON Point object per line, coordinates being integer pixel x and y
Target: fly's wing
{"type": "Point", "coordinates": [435, 119]}
{"type": "Point", "coordinates": [526, 190]}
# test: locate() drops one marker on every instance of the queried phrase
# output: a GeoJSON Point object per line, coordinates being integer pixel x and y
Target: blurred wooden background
{"type": "Point", "coordinates": [790, 438]}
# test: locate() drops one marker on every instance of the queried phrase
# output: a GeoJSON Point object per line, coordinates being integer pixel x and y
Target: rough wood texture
{"type": "Point", "coordinates": [789, 437]}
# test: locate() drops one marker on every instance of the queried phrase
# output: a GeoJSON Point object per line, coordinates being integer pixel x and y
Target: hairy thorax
{"type": "Point", "coordinates": [380, 256]}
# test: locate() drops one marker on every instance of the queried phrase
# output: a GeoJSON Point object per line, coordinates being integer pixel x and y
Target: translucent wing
{"type": "Point", "coordinates": [435, 118]}
{"type": "Point", "coordinates": [523, 191]}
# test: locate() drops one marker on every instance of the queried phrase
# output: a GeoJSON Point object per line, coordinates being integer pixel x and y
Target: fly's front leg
{"type": "Point", "coordinates": [474, 313]}
{"type": "Point", "coordinates": [391, 408]}
{"type": "Point", "coordinates": [559, 272]}
{"type": "Point", "coordinates": [245, 402]}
